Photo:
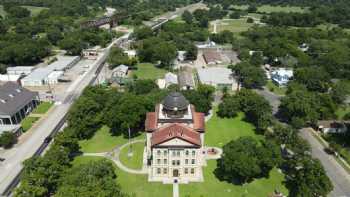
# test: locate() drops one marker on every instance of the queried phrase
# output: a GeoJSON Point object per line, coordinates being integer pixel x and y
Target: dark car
{"type": "Point", "coordinates": [48, 139]}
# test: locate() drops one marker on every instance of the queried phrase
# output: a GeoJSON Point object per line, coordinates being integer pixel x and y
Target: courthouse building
{"type": "Point", "coordinates": [175, 141]}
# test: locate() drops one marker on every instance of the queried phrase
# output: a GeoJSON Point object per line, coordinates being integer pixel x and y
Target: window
{"type": "Point", "coordinates": [158, 161]}
{"type": "Point", "coordinates": [193, 161]}
{"type": "Point", "coordinates": [173, 162]}
{"type": "Point", "coordinates": [187, 152]}
{"type": "Point", "coordinates": [158, 152]}
{"type": "Point", "coordinates": [173, 153]}
{"type": "Point", "coordinates": [186, 161]}
{"type": "Point", "coordinates": [158, 170]}
{"type": "Point", "coordinates": [178, 162]}
{"type": "Point", "coordinates": [186, 170]}
{"type": "Point", "coordinates": [192, 170]}
{"type": "Point", "coordinates": [165, 171]}
{"type": "Point", "coordinates": [165, 153]}
{"type": "Point", "coordinates": [165, 161]}
{"type": "Point", "coordinates": [178, 153]}
{"type": "Point", "coordinates": [193, 153]}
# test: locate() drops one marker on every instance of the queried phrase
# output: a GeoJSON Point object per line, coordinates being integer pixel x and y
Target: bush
{"type": "Point", "coordinates": [250, 20]}
{"type": "Point", "coordinates": [7, 139]}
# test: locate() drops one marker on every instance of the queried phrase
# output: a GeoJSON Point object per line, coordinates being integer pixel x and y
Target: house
{"type": "Point", "coordinates": [281, 76]}
{"type": "Point", "coordinates": [212, 57]}
{"type": "Point", "coordinates": [169, 79]}
{"type": "Point", "coordinates": [120, 73]}
{"type": "Point", "coordinates": [185, 79]}
{"type": "Point", "coordinates": [15, 103]}
{"type": "Point", "coordinates": [217, 77]}
{"type": "Point", "coordinates": [175, 141]}
{"type": "Point", "coordinates": [332, 126]}
{"type": "Point", "coordinates": [92, 53]}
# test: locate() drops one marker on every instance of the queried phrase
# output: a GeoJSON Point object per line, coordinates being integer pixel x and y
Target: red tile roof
{"type": "Point", "coordinates": [199, 121]}
{"type": "Point", "coordinates": [175, 130]}
{"type": "Point", "coordinates": [151, 121]}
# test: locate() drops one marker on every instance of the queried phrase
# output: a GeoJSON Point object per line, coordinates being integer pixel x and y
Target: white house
{"type": "Point", "coordinates": [175, 141]}
{"type": "Point", "coordinates": [332, 126]}
{"type": "Point", "coordinates": [281, 76]}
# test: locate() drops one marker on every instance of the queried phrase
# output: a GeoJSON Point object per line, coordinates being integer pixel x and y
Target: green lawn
{"type": "Point", "coordinates": [134, 184]}
{"type": "Point", "coordinates": [42, 108]}
{"type": "Point", "coordinates": [220, 131]}
{"type": "Point", "coordinates": [269, 8]}
{"type": "Point", "coordinates": [103, 141]}
{"type": "Point", "coordinates": [275, 89]}
{"type": "Point", "coordinates": [234, 25]}
{"type": "Point", "coordinates": [28, 122]}
{"type": "Point", "coordinates": [342, 111]}
{"type": "Point", "coordinates": [211, 185]}
{"type": "Point", "coordinates": [149, 71]}
{"type": "Point", "coordinates": [135, 161]}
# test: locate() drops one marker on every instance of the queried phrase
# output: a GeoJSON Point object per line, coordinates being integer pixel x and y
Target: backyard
{"type": "Point", "coordinates": [148, 71]}
{"type": "Point", "coordinates": [103, 141]}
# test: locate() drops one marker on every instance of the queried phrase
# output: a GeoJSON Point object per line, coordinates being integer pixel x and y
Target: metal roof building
{"type": "Point", "coordinates": [217, 77]}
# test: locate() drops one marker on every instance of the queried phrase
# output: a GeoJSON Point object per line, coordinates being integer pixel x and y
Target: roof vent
{"type": "Point", "coordinates": [3, 101]}
{"type": "Point", "coordinates": [18, 90]}
{"type": "Point", "coordinates": [11, 95]}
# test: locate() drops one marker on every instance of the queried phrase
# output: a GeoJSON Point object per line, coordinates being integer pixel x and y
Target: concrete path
{"type": "Point", "coordinates": [339, 177]}
{"type": "Point", "coordinates": [114, 156]}
{"type": "Point", "coordinates": [176, 190]}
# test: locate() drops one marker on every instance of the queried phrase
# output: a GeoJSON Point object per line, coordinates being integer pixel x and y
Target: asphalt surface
{"type": "Point", "coordinates": [273, 99]}
{"type": "Point", "coordinates": [339, 177]}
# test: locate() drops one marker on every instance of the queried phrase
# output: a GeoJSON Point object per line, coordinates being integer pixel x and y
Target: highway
{"type": "Point", "coordinates": [11, 167]}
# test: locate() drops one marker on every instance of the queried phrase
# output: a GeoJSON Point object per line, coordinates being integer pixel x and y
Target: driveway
{"type": "Point", "coordinates": [339, 177]}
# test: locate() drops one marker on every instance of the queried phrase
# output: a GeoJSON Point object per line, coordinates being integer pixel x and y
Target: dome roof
{"type": "Point", "coordinates": [175, 101]}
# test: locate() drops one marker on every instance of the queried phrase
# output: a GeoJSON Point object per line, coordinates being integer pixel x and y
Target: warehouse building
{"type": "Point", "coordinates": [51, 73]}
{"type": "Point", "coordinates": [20, 70]}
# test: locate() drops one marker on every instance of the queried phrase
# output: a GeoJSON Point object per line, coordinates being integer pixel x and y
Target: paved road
{"type": "Point", "coordinates": [274, 100]}
{"type": "Point", "coordinates": [176, 190]}
{"type": "Point", "coordinates": [337, 174]}
{"type": "Point", "coordinates": [12, 166]}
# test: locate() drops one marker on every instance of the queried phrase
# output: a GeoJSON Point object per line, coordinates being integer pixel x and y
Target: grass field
{"type": "Point", "coordinates": [135, 161]}
{"type": "Point", "coordinates": [28, 122]}
{"type": "Point", "coordinates": [33, 10]}
{"type": "Point", "coordinates": [103, 141]}
{"type": "Point", "coordinates": [42, 108]}
{"type": "Point", "coordinates": [211, 185]}
{"type": "Point", "coordinates": [148, 71]}
{"type": "Point", "coordinates": [269, 8]}
{"type": "Point", "coordinates": [220, 131]}
{"type": "Point", "coordinates": [275, 89]}
{"type": "Point", "coordinates": [234, 25]}
{"type": "Point", "coordinates": [134, 184]}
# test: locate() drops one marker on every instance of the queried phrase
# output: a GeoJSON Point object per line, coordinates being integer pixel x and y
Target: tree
{"type": "Point", "coordinates": [142, 86]}
{"type": "Point", "coordinates": [3, 28]}
{"type": "Point", "coordinates": [340, 91]}
{"type": "Point", "coordinates": [235, 15]}
{"type": "Point", "coordinates": [250, 76]}
{"type": "Point", "coordinates": [243, 160]}
{"type": "Point", "coordinates": [222, 37]}
{"type": "Point", "coordinates": [252, 9]}
{"type": "Point", "coordinates": [7, 139]}
{"type": "Point", "coordinates": [187, 17]}
{"type": "Point", "coordinates": [73, 45]}
{"type": "Point", "coordinates": [143, 33]}
{"type": "Point", "coordinates": [54, 35]}
{"type": "Point", "coordinates": [191, 52]}
{"type": "Point", "coordinates": [118, 57]}
{"type": "Point", "coordinates": [310, 180]}
{"type": "Point", "coordinates": [229, 107]}
{"type": "Point", "coordinates": [92, 179]}
{"type": "Point", "coordinates": [315, 79]}
{"type": "Point", "coordinates": [202, 98]}
{"type": "Point", "coordinates": [250, 20]}
{"type": "Point", "coordinates": [256, 59]}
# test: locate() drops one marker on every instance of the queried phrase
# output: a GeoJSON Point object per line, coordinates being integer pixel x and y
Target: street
{"type": "Point", "coordinates": [273, 99]}
{"type": "Point", "coordinates": [339, 177]}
